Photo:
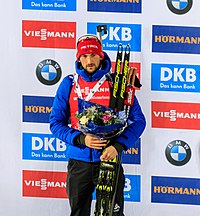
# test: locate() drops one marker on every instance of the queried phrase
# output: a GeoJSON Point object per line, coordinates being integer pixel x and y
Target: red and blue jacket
{"type": "Point", "coordinates": [64, 125]}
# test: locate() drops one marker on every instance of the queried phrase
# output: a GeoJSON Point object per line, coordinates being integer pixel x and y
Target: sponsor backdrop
{"type": "Point", "coordinates": [38, 47]}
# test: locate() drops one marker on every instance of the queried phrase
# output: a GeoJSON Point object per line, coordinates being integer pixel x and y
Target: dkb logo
{"type": "Point", "coordinates": [119, 33]}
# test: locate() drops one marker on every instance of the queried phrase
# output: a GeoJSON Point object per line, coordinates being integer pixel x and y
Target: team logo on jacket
{"type": "Point", "coordinates": [178, 152]}
{"type": "Point", "coordinates": [48, 72]}
{"type": "Point", "coordinates": [179, 6]}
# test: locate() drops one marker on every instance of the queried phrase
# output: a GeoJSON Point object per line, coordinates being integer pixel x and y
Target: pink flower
{"type": "Point", "coordinates": [106, 117]}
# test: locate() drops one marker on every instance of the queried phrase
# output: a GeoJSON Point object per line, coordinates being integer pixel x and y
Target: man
{"type": "Point", "coordinates": [85, 150]}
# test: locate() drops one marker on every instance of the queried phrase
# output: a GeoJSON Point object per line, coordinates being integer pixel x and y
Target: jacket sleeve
{"type": "Point", "coordinates": [60, 114]}
{"type": "Point", "coordinates": [135, 128]}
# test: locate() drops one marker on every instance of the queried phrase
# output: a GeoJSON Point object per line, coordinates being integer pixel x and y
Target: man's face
{"type": "Point", "coordinates": [90, 62]}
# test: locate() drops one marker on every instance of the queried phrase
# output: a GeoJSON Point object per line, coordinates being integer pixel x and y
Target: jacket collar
{"type": "Point", "coordinates": [104, 69]}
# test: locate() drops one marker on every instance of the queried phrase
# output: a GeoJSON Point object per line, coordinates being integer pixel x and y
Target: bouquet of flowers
{"type": "Point", "coordinates": [99, 120]}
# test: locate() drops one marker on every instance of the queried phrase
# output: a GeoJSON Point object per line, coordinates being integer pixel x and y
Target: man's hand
{"type": "Point", "coordinates": [94, 142]}
{"type": "Point", "coordinates": [109, 153]}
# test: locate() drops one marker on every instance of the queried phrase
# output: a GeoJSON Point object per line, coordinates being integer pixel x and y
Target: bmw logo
{"type": "Point", "coordinates": [178, 152]}
{"type": "Point", "coordinates": [179, 6]}
{"type": "Point", "coordinates": [48, 72]}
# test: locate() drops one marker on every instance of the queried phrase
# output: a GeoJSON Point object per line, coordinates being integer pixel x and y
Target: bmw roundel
{"type": "Point", "coordinates": [48, 72]}
{"type": "Point", "coordinates": [178, 152]}
{"type": "Point", "coordinates": [179, 6]}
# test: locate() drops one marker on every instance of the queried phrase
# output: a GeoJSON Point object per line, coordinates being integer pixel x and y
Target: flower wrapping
{"type": "Point", "coordinates": [99, 120]}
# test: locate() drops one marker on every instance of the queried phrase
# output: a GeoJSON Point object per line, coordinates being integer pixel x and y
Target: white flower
{"type": "Point", "coordinates": [84, 120]}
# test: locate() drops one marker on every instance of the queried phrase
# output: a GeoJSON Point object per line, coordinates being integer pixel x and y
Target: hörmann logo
{"type": "Point", "coordinates": [179, 6]}
{"type": "Point", "coordinates": [176, 39]}
{"type": "Point", "coordinates": [132, 155]}
{"type": "Point", "coordinates": [119, 33]}
{"type": "Point", "coordinates": [43, 147]}
{"type": "Point", "coordinates": [175, 190]}
{"type": "Point", "coordinates": [48, 34]}
{"type": "Point", "coordinates": [175, 115]}
{"type": "Point", "coordinates": [128, 6]}
{"type": "Point", "coordinates": [174, 77]}
{"type": "Point", "coordinates": [58, 5]}
{"type": "Point", "coordinates": [44, 184]}
{"type": "Point", "coordinates": [36, 108]}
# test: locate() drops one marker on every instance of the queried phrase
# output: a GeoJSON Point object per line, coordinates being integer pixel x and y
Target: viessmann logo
{"type": "Point", "coordinates": [175, 115]}
{"type": "Point", "coordinates": [44, 184]}
{"type": "Point", "coordinates": [48, 34]}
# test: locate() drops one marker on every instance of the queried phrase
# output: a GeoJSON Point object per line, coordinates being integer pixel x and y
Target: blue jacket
{"type": "Point", "coordinates": [60, 118]}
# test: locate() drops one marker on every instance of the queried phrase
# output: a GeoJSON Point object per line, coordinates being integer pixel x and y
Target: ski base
{"type": "Point", "coordinates": [105, 188]}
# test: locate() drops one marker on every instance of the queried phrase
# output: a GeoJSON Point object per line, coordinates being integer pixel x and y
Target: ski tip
{"type": "Point", "coordinates": [120, 48]}
{"type": "Point", "coordinates": [128, 48]}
